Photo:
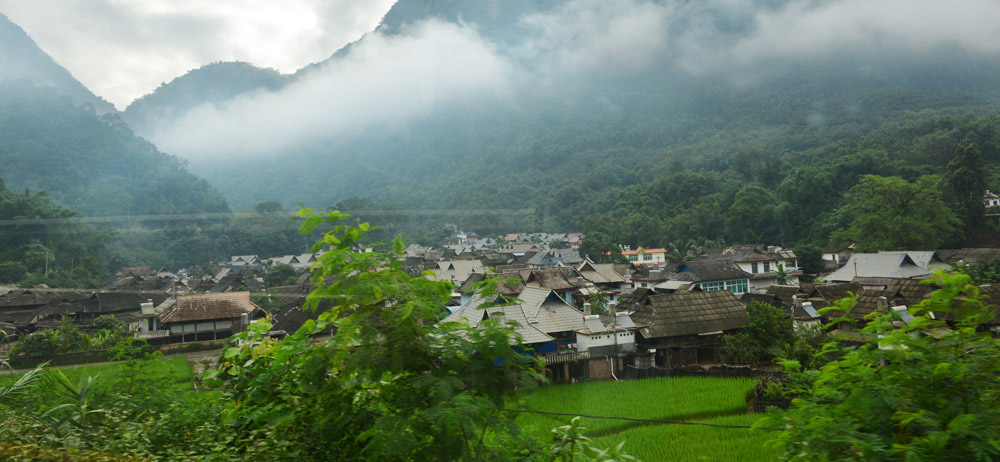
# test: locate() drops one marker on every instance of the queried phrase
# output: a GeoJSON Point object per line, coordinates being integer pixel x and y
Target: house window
{"type": "Point", "coordinates": [633, 258]}
{"type": "Point", "coordinates": [647, 257]}
{"type": "Point", "coordinates": [767, 267]}
{"type": "Point", "coordinates": [737, 287]}
{"type": "Point", "coordinates": [753, 268]}
{"type": "Point", "coordinates": [712, 286]}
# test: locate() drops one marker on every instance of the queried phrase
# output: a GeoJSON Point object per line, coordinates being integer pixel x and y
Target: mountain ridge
{"type": "Point", "coordinates": [21, 58]}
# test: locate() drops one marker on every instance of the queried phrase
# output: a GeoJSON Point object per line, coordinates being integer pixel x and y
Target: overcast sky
{"type": "Point", "coordinates": [123, 49]}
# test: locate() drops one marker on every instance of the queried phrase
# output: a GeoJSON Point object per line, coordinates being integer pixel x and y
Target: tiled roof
{"type": "Point", "coordinates": [784, 293]}
{"type": "Point", "coordinates": [690, 314]}
{"type": "Point", "coordinates": [515, 314]}
{"type": "Point", "coordinates": [969, 255]}
{"type": "Point", "coordinates": [710, 270]}
{"type": "Point", "coordinates": [549, 315]}
{"type": "Point", "coordinates": [600, 273]}
{"type": "Point", "coordinates": [208, 306]}
{"type": "Point", "coordinates": [892, 265]}
{"type": "Point", "coordinates": [554, 278]}
{"type": "Point", "coordinates": [925, 259]}
{"type": "Point", "coordinates": [470, 313]}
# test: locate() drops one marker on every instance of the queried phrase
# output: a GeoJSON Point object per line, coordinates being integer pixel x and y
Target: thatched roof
{"type": "Point", "coordinates": [690, 314]}
{"type": "Point", "coordinates": [205, 307]}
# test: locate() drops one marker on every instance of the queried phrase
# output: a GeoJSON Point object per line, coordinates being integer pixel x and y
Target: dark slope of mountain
{"type": "Point", "coordinates": [214, 83]}
{"type": "Point", "coordinates": [21, 59]}
{"type": "Point", "coordinates": [93, 165]}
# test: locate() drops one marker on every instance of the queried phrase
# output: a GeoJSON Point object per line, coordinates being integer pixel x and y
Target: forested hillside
{"type": "Point", "coordinates": [92, 165]}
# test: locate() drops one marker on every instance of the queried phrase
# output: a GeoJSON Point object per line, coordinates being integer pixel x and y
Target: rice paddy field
{"type": "Point", "coordinates": [690, 399]}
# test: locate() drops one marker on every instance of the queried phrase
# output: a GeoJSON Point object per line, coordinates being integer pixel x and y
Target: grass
{"type": "Point", "coordinates": [667, 398]}
{"type": "Point", "coordinates": [166, 377]}
{"type": "Point", "coordinates": [691, 399]}
{"type": "Point", "coordinates": [695, 442]}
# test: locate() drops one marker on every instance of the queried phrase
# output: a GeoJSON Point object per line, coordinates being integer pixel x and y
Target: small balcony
{"type": "Point", "coordinates": [152, 334]}
{"type": "Point", "coordinates": [566, 357]}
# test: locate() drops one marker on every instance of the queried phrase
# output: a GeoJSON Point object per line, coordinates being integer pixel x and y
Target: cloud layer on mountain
{"type": "Point", "coordinates": [428, 66]}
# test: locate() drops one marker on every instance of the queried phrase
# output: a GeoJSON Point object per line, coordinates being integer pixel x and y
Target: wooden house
{"type": "Point", "coordinates": [687, 329]}
{"type": "Point", "coordinates": [201, 317]}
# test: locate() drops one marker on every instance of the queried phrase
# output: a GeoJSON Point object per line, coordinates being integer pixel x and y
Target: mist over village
{"type": "Point", "coordinates": [414, 230]}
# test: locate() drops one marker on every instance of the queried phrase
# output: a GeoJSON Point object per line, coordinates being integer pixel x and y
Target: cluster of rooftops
{"type": "Point", "coordinates": [564, 306]}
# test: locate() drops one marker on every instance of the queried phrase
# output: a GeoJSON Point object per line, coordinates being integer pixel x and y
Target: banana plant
{"type": "Point", "coordinates": [79, 410]}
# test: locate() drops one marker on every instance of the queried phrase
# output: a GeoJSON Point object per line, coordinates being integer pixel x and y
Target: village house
{"type": "Point", "coordinates": [761, 262]}
{"type": "Point", "coordinates": [710, 276]}
{"type": "Point", "coordinates": [555, 257]}
{"type": "Point", "coordinates": [572, 344]}
{"type": "Point", "coordinates": [686, 329]}
{"type": "Point", "coordinates": [194, 318]}
{"type": "Point", "coordinates": [457, 271]}
{"type": "Point", "coordinates": [646, 257]}
{"type": "Point", "coordinates": [837, 255]}
{"type": "Point", "coordinates": [969, 255]}
{"type": "Point", "coordinates": [611, 279]}
{"type": "Point", "coordinates": [900, 264]}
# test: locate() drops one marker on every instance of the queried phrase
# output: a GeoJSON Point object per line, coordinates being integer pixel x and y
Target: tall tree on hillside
{"type": "Point", "coordinates": [753, 216]}
{"type": "Point", "coordinates": [890, 213]}
{"type": "Point", "coordinates": [599, 248]}
{"type": "Point", "coordinates": [966, 179]}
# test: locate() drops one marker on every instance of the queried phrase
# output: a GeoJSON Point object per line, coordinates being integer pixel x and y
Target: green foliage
{"type": "Point", "coordinates": [108, 322]}
{"type": "Point", "coordinates": [680, 251]}
{"type": "Point", "coordinates": [890, 213]}
{"type": "Point", "coordinates": [600, 248]}
{"type": "Point", "coordinates": [755, 342]}
{"type": "Point", "coordinates": [965, 177]}
{"type": "Point", "coordinates": [42, 343]}
{"type": "Point", "coordinates": [268, 207]}
{"type": "Point", "coordinates": [922, 390]}
{"type": "Point", "coordinates": [810, 257]}
{"type": "Point", "coordinates": [61, 254]}
{"type": "Point", "coordinates": [390, 384]}
{"type": "Point", "coordinates": [270, 302]}
{"type": "Point", "coordinates": [280, 275]}
{"type": "Point", "coordinates": [570, 443]}
{"type": "Point", "coordinates": [983, 272]}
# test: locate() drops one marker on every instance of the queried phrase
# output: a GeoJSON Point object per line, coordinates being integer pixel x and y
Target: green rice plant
{"type": "Point", "coordinates": [698, 443]}
{"type": "Point", "coordinates": [667, 398]}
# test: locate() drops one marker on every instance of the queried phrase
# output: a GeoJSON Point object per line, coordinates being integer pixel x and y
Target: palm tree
{"type": "Point", "coordinates": [680, 251]}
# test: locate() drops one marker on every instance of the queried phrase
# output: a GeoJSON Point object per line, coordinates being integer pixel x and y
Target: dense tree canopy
{"type": "Point", "coordinates": [890, 213]}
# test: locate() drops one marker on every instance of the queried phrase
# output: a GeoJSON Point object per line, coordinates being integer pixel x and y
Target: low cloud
{"type": "Point", "coordinates": [590, 35]}
{"type": "Point", "coordinates": [804, 30]}
{"type": "Point", "coordinates": [384, 81]}
{"type": "Point", "coordinates": [388, 80]}
{"type": "Point", "coordinates": [124, 49]}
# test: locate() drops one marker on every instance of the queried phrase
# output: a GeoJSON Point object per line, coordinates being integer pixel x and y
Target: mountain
{"type": "Point", "coordinates": [93, 165]}
{"type": "Point", "coordinates": [211, 84]}
{"type": "Point", "coordinates": [657, 116]}
{"type": "Point", "coordinates": [21, 59]}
